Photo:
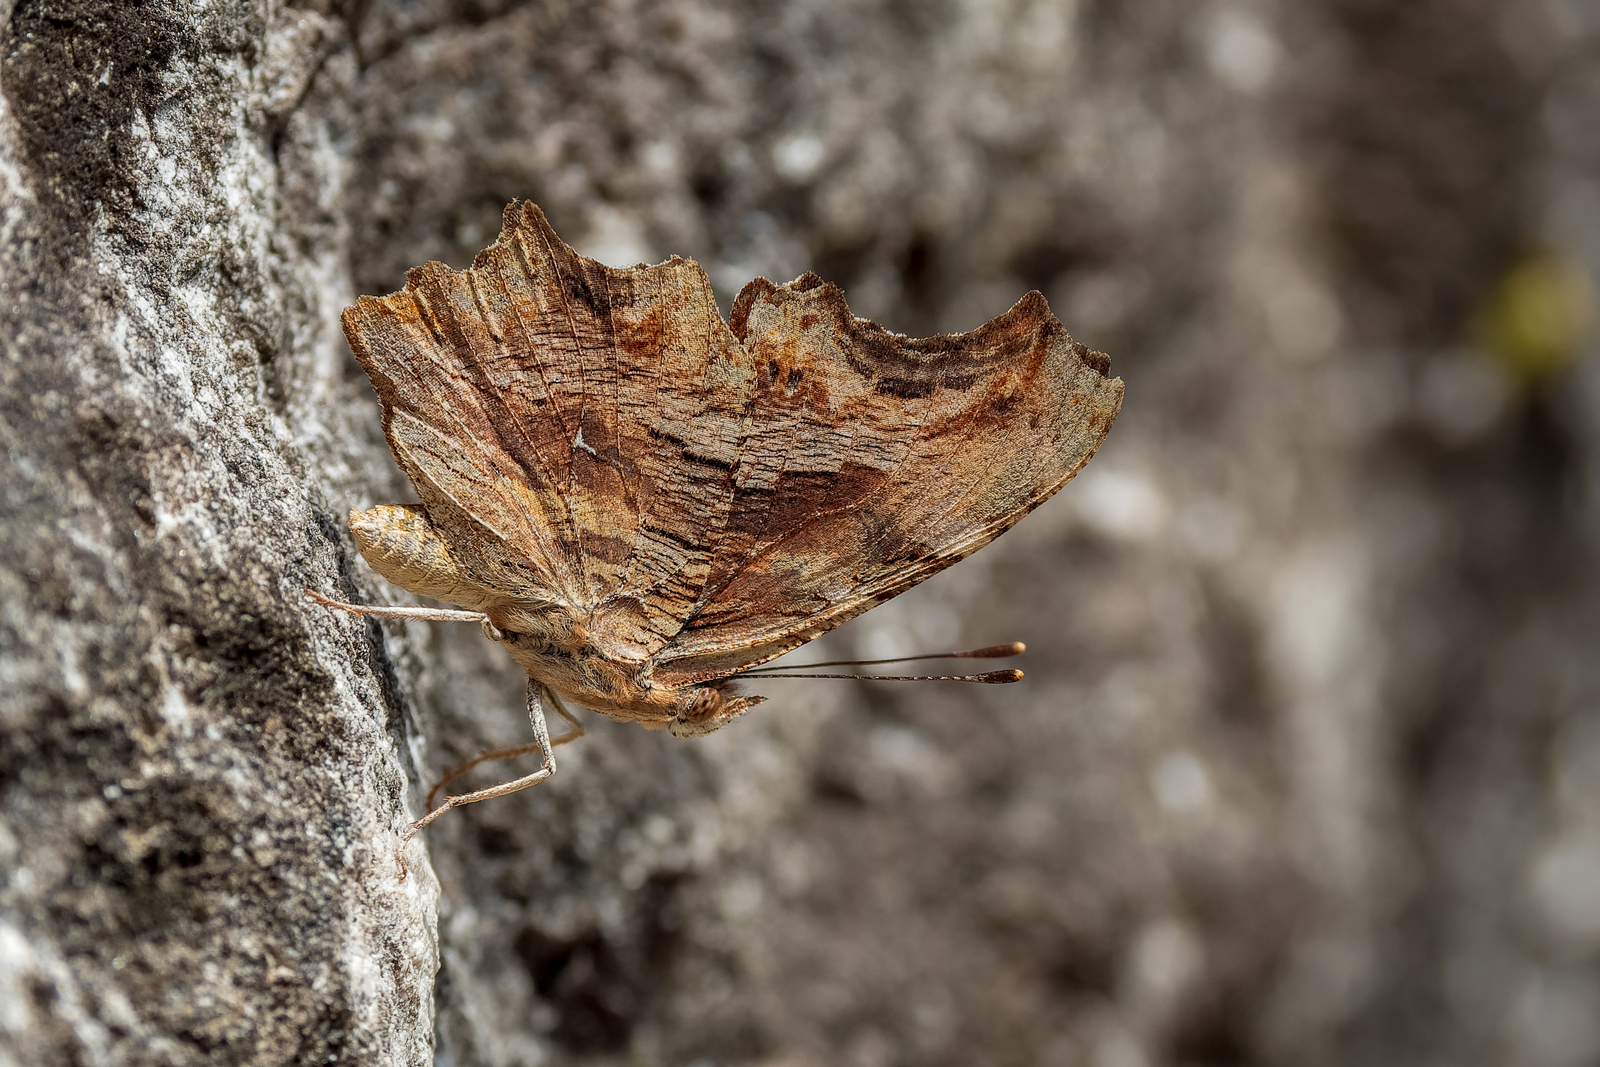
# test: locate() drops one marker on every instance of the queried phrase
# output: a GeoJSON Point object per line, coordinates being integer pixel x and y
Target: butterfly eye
{"type": "Point", "coordinates": [703, 705]}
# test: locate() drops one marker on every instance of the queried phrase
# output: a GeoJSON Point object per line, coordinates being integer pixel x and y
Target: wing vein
{"type": "Point", "coordinates": [533, 277]}
{"type": "Point", "coordinates": [583, 377]}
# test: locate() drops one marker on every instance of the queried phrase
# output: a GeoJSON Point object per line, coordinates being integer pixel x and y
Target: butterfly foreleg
{"type": "Point", "coordinates": [577, 730]}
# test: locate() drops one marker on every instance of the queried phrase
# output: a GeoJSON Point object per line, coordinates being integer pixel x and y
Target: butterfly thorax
{"type": "Point", "coordinates": [556, 647]}
{"type": "Point", "coordinates": [559, 650]}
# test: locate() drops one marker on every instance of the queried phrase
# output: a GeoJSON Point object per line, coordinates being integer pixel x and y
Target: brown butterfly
{"type": "Point", "coordinates": [641, 501]}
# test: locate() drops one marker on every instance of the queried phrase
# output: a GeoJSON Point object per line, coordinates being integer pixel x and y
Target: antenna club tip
{"type": "Point", "coordinates": [1013, 648]}
{"type": "Point", "coordinates": [1000, 677]}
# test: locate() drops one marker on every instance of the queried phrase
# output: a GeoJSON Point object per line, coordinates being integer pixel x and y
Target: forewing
{"type": "Point", "coordinates": [875, 460]}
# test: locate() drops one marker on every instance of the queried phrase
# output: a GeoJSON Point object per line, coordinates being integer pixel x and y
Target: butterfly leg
{"type": "Point", "coordinates": [577, 730]}
{"type": "Point", "coordinates": [574, 732]}
{"type": "Point", "coordinates": [435, 614]}
{"type": "Point", "coordinates": [541, 743]}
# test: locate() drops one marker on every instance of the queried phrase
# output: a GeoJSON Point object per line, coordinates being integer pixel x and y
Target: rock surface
{"type": "Point", "coordinates": [1303, 771]}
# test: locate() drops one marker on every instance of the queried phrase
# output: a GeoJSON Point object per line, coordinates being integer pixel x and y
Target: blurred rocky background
{"type": "Point", "coordinates": [1306, 769]}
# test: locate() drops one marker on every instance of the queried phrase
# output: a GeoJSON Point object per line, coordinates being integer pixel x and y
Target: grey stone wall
{"type": "Point", "coordinates": [1303, 770]}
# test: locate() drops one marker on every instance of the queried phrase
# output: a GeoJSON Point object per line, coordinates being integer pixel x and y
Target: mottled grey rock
{"type": "Point", "coordinates": [203, 778]}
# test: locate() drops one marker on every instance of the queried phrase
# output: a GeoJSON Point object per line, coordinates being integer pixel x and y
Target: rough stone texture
{"type": "Point", "coordinates": [202, 778]}
{"type": "Point", "coordinates": [1304, 770]}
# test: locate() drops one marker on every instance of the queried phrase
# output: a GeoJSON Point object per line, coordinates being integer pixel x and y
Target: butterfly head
{"type": "Point", "coordinates": [558, 650]}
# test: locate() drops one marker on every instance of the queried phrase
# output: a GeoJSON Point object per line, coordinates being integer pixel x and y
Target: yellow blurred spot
{"type": "Point", "coordinates": [1538, 319]}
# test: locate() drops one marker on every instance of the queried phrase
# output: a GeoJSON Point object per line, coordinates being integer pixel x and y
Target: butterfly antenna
{"type": "Point", "coordinates": [991, 678]}
{"type": "Point", "coordinates": [1015, 648]}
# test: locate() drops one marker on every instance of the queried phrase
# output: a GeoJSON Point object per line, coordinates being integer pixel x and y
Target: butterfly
{"type": "Point", "coordinates": [641, 501]}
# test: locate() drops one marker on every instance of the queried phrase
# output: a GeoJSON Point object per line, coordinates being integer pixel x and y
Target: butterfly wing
{"type": "Point", "coordinates": [601, 439]}
{"type": "Point", "coordinates": [874, 460]}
